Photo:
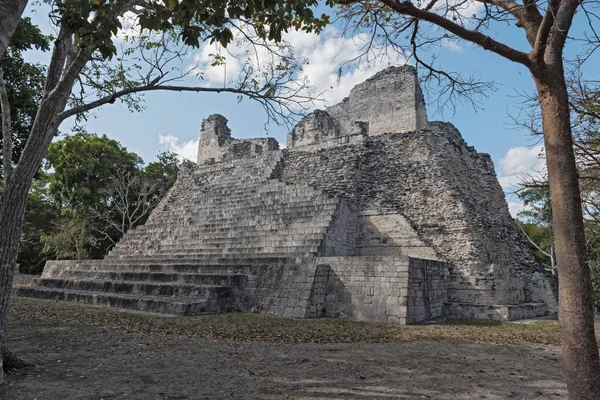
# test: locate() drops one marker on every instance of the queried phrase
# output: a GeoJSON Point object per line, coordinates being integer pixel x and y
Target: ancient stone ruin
{"type": "Point", "coordinates": [371, 213]}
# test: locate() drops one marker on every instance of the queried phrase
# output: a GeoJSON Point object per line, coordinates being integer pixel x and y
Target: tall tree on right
{"type": "Point", "coordinates": [420, 27]}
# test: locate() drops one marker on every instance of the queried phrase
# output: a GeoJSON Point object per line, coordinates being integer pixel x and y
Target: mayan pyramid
{"type": "Point", "coordinates": [371, 213]}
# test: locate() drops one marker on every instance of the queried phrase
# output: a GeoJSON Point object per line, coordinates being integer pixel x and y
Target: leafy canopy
{"type": "Point", "coordinates": [195, 20]}
{"type": "Point", "coordinates": [82, 165]}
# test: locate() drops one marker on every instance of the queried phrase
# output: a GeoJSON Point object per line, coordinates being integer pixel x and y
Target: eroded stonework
{"type": "Point", "coordinates": [371, 213]}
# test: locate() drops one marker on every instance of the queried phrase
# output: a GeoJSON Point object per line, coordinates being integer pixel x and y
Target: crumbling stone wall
{"type": "Point", "coordinates": [216, 143]}
{"type": "Point", "coordinates": [448, 194]}
{"type": "Point", "coordinates": [452, 203]}
{"type": "Point", "coordinates": [390, 101]}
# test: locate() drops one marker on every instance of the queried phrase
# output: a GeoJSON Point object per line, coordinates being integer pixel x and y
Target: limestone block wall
{"type": "Point", "coordinates": [333, 169]}
{"type": "Point", "coordinates": [214, 137]}
{"type": "Point", "coordinates": [315, 128]}
{"type": "Point", "coordinates": [387, 233]}
{"type": "Point", "coordinates": [386, 289]}
{"type": "Point", "coordinates": [278, 289]}
{"type": "Point", "coordinates": [343, 232]}
{"type": "Point", "coordinates": [427, 290]}
{"type": "Point", "coordinates": [390, 101]}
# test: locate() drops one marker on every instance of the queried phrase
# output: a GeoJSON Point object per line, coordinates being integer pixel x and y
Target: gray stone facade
{"type": "Point", "coordinates": [371, 213]}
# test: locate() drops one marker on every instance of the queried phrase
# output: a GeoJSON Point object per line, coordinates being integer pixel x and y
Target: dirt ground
{"type": "Point", "coordinates": [78, 353]}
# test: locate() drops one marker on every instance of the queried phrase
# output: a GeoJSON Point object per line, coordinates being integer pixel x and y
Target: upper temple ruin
{"type": "Point", "coordinates": [371, 213]}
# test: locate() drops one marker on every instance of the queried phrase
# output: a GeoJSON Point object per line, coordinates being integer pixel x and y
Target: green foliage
{"type": "Point", "coordinates": [40, 220]}
{"type": "Point", "coordinates": [24, 81]}
{"type": "Point", "coordinates": [94, 22]}
{"type": "Point", "coordinates": [164, 170]}
{"type": "Point", "coordinates": [82, 165]}
{"type": "Point", "coordinates": [541, 235]}
{"type": "Point", "coordinates": [70, 239]}
{"type": "Point", "coordinates": [539, 225]}
{"type": "Point", "coordinates": [92, 191]}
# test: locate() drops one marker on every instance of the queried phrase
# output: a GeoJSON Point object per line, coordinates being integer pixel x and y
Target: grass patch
{"type": "Point", "coordinates": [266, 328]}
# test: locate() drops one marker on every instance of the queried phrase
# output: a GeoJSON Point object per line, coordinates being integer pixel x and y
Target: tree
{"type": "Point", "coordinates": [130, 196]}
{"type": "Point", "coordinates": [81, 169]}
{"type": "Point", "coordinates": [82, 166]}
{"type": "Point", "coordinates": [24, 82]}
{"type": "Point", "coordinates": [545, 27]}
{"type": "Point", "coordinates": [10, 13]}
{"type": "Point", "coordinates": [84, 52]}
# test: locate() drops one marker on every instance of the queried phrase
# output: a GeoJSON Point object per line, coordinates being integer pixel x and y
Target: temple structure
{"type": "Point", "coordinates": [371, 213]}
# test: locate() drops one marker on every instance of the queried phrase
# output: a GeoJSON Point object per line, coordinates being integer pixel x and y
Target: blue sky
{"type": "Point", "coordinates": [172, 120]}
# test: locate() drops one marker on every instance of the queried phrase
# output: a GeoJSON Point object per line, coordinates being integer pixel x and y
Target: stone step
{"type": "Point", "coordinates": [154, 252]}
{"type": "Point", "coordinates": [274, 208]}
{"type": "Point", "coordinates": [218, 235]}
{"type": "Point", "coordinates": [157, 241]}
{"type": "Point", "coordinates": [269, 259]}
{"type": "Point", "coordinates": [150, 266]}
{"type": "Point", "coordinates": [169, 236]}
{"type": "Point", "coordinates": [280, 238]}
{"type": "Point", "coordinates": [215, 279]}
{"type": "Point", "coordinates": [246, 201]}
{"type": "Point", "coordinates": [223, 248]}
{"type": "Point", "coordinates": [261, 188]}
{"type": "Point", "coordinates": [214, 258]}
{"type": "Point", "coordinates": [142, 288]}
{"type": "Point", "coordinates": [235, 220]}
{"type": "Point", "coordinates": [151, 304]}
{"type": "Point", "coordinates": [314, 226]}
{"type": "Point", "coordinates": [234, 243]}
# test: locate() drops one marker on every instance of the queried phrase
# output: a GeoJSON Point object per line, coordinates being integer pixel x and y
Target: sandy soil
{"type": "Point", "coordinates": [78, 361]}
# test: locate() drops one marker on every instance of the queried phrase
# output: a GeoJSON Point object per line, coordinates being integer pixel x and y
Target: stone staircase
{"type": "Point", "coordinates": [198, 246]}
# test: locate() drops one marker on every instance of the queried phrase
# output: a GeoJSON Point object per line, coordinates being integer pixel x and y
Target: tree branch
{"type": "Point", "coordinates": [147, 88]}
{"type": "Point", "coordinates": [532, 242]}
{"type": "Point", "coordinates": [528, 16]}
{"type": "Point", "coordinates": [486, 42]}
{"type": "Point", "coordinates": [558, 32]}
{"type": "Point", "coordinates": [541, 38]}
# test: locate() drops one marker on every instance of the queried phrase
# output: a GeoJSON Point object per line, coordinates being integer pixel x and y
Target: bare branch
{"type": "Point", "coordinates": [486, 42]}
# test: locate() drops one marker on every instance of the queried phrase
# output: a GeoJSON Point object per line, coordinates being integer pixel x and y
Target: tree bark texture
{"type": "Point", "coordinates": [14, 199]}
{"type": "Point", "coordinates": [10, 14]}
{"type": "Point", "coordinates": [7, 147]}
{"type": "Point", "coordinates": [576, 308]}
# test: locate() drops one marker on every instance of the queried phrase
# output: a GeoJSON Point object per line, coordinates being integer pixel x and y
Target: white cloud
{"type": "Point", "coordinates": [186, 150]}
{"type": "Point", "coordinates": [515, 207]}
{"type": "Point", "coordinates": [325, 55]}
{"type": "Point", "coordinates": [452, 45]}
{"type": "Point", "coordinates": [129, 27]}
{"type": "Point", "coordinates": [518, 164]}
{"type": "Point", "coordinates": [523, 160]}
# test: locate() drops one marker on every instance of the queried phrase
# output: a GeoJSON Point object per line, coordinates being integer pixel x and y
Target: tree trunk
{"type": "Point", "coordinates": [7, 152]}
{"type": "Point", "coordinates": [12, 212]}
{"type": "Point", "coordinates": [10, 14]}
{"type": "Point", "coordinates": [576, 308]}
